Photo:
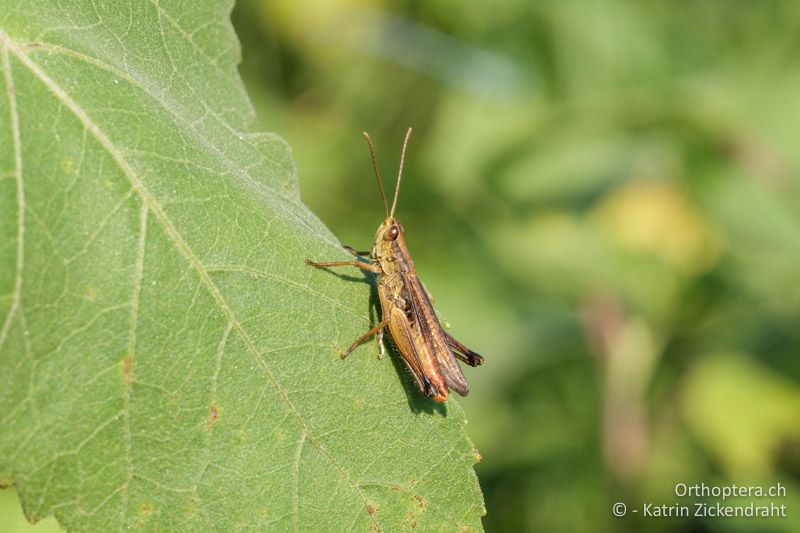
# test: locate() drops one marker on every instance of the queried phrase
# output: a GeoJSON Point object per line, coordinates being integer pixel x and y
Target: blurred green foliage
{"type": "Point", "coordinates": [603, 198]}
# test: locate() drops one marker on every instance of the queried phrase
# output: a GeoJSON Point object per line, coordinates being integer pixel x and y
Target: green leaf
{"type": "Point", "coordinates": [167, 361]}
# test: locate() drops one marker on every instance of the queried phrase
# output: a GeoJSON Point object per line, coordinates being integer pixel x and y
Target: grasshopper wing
{"type": "Point", "coordinates": [416, 356]}
{"type": "Point", "coordinates": [434, 337]}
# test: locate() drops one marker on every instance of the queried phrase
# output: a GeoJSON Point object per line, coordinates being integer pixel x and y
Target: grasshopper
{"type": "Point", "coordinates": [425, 347]}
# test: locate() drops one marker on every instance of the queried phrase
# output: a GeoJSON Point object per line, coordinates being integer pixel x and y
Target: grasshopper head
{"type": "Point", "coordinates": [389, 230]}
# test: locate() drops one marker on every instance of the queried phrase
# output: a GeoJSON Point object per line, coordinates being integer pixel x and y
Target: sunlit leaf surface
{"type": "Point", "coordinates": [167, 361]}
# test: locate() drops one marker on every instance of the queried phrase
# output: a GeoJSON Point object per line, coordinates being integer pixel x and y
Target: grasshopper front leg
{"type": "Point", "coordinates": [376, 330]}
{"type": "Point", "coordinates": [371, 267]}
{"type": "Point", "coordinates": [356, 252]}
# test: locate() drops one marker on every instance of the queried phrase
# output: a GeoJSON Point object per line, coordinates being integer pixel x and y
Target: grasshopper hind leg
{"type": "Point", "coordinates": [462, 352]}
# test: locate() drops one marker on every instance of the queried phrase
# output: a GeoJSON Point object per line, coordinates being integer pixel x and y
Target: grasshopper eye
{"type": "Point", "coordinates": [392, 234]}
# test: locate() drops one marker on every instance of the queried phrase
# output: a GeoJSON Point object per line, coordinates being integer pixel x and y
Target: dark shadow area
{"type": "Point", "coordinates": [417, 401]}
{"type": "Point", "coordinates": [368, 277]}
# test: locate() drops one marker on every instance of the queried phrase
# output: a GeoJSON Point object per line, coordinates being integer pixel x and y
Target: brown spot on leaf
{"type": "Point", "coordinates": [410, 520]}
{"type": "Point", "coordinates": [33, 45]}
{"type": "Point", "coordinates": [145, 509]}
{"type": "Point", "coordinates": [127, 368]}
{"type": "Point", "coordinates": [371, 509]}
{"type": "Point", "coordinates": [420, 501]}
{"type": "Point", "coordinates": [213, 416]}
{"type": "Point", "coordinates": [194, 504]}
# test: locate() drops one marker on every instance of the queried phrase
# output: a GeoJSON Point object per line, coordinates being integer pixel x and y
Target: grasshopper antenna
{"type": "Point", "coordinates": [377, 174]}
{"type": "Point", "coordinates": [400, 173]}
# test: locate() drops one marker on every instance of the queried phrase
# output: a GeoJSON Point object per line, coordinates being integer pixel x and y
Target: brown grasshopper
{"type": "Point", "coordinates": [428, 351]}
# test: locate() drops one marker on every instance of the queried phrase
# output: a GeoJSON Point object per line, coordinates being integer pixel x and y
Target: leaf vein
{"type": "Point", "coordinates": [296, 482]}
{"type": "Point", "coordinates": [272, 195]}
{"type": "Point", "coordinates": [138, 275]}
{"type": "Point", "coordinates": [16, 297]}
{"type": "Point", "coordinates": [299, 286]}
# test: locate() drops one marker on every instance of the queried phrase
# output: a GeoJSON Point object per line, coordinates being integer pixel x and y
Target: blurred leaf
{"type": "Point", "coordinates": [763, 236]}
{"type": "Point", "coordinates": [561, 256]}
{"type": "Point", "coordinates": [167, 361]}
{"type": "Point", "coordinates": [741, 412]}
{"type": "Point", "coordinates": [656, 218]}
